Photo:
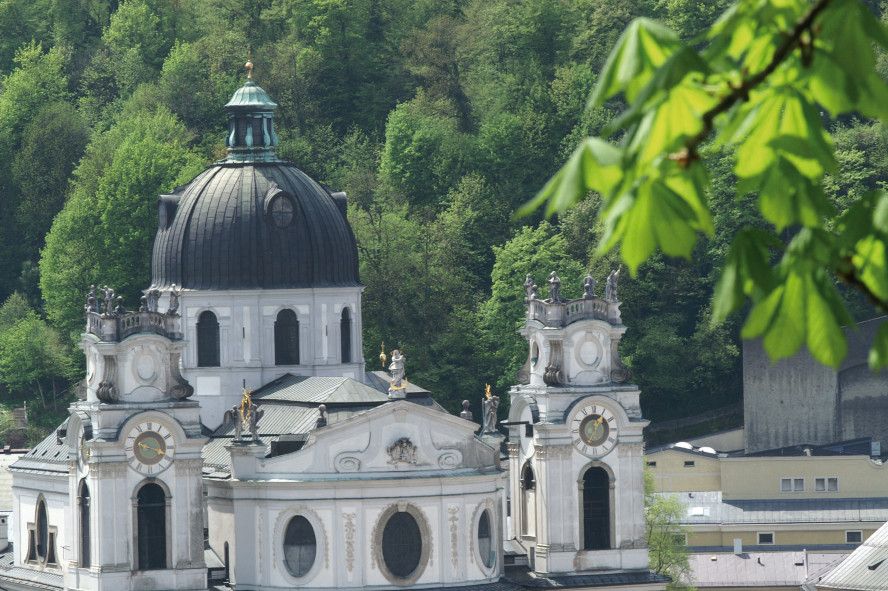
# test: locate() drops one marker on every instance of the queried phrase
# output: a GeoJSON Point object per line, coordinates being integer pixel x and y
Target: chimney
{"type": "Point", "coordinates": [738, 546]}
{"type": "Point", "coordinates": [4, 532]}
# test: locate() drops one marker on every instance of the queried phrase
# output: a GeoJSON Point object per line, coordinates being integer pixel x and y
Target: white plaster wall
{"type": "Point", "coordinates": [246, 333]}
{"type": "Point", "coordinates": [26, 489]}
{"type": "Point", "coordinates": [345, 516]}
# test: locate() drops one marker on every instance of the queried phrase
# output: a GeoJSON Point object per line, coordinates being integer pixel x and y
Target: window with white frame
{"type": "Point", "coordinates": [765, 537]}
{"type": "Point", "coordinates": [826, 484]}
{"type": "Point", "coordinates": [798, 485]}
{"type": "Point", "coordinates": [786, 485]}
{"type": "Point", "coordinates": [853, 536]}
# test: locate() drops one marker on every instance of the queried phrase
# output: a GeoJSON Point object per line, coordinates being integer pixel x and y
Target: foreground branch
{"type": "Point", "coordinates": [741, 93]}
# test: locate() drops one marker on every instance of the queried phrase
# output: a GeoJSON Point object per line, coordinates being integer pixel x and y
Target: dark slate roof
{"type": "Point", "coordinates": [47, 456]}
{"type": "Point", "coordinates": [523, 578]}
{"type": "Point", "coordinates": [708, 507]}
{"type": "Point", "coordinates": [216, 233]}
{"type": "Point", "coordinates": [320, 390]}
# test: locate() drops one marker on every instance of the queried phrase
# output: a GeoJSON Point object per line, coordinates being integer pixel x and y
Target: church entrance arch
{"type": "Point", "coordinates": [596, 486]}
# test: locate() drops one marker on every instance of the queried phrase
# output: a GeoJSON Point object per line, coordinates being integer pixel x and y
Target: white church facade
{"type": "Point", "coordinates": [166, 476]}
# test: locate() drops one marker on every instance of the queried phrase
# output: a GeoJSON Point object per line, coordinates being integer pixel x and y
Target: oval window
{"type": "Point", "coordinates": [485, 540]}
{"type": "Point", "coordinates": [300, 546]}
{"type": "Point", "coordinates": [281, 211]}
{"type": "Point", "coordinates": [401, 544]}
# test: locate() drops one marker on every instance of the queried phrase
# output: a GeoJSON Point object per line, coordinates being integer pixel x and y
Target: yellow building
{"type": "Point", "coordinates": [804, 497]}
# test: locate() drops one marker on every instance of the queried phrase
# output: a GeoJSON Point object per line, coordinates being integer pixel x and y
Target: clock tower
{"type": "Point", "coordinates": [575, 451]}
{"type": "Point", "coordinates": [134, 442]}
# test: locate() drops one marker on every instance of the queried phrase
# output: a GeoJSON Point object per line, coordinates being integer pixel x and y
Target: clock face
{"type": "Point", "coordinates": [149, 448]}
{"type": "Point", "coordinates": [594, 430]}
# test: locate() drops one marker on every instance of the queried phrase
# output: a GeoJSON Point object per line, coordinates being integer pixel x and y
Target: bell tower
{"type": "Point", "coordinates": [575, 450]}
{"type": "Point", "coordinates": [134, 441]}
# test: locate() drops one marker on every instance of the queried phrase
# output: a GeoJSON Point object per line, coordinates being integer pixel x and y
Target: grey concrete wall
{"type": "Point", "coordinates": [797, 400]}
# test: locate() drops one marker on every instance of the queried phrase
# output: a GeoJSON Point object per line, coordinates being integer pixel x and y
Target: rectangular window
{"type": "Point", "coordinates": [820, 485]}
{"type": "Point", "coordinates": [689, 464]}
{"type": "Point", "coordinates": [786, 485]}
{"type": "Point", "coordinates": [798, 485]}
{"type": "Point", "coordinates": [765, 537]}
{"type": "Point", "coordinates": [853, 537]}
{"type": "Point", "coordinates": [652, 464]}
{"type": "Point", "coordinates": [832, 485]}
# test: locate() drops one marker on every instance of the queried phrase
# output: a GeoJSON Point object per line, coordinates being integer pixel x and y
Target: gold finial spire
{"type": "Point", "coordinates": [249, 67]}
{"type": "Point", "coordinates": [382, 357]}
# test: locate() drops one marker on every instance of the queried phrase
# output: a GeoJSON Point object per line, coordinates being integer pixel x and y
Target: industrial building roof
{"type": "Point", "coordinates": [709, 507]}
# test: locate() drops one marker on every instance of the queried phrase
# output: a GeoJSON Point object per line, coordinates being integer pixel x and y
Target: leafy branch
{"type": "Point", "coordinates": [741, 92]}
{"type": "Point", "coordinates": [654, 185]}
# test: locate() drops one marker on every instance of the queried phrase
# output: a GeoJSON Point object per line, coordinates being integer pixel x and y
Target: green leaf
{"type": "Point", "coordinates": [826, 341]}
{"type": "Point", "coordinates": [643, 47]}
{"type": "Point", "coordinates": [593, 166]}
{"type": "Point", "coordinates": [746, 271]}
{"type": "Point", "coordinates": [787, 331]}
{"type": "Point", "coordinates": [878, 355]}
{"type": "Point", "coordinates": [762, 314]}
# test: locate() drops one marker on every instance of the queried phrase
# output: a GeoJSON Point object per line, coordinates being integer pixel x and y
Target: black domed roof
{"type": "Point", "coordinates": [253, 221]}
{"type": "Point", "coordinates": [253, 225]}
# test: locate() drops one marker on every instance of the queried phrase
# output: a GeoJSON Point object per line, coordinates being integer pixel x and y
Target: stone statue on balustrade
{"type": "Point", "coordinates": [554, 287]}
{"type": "Point", "coordinates": [92, 303]}
{"type": "Point", "coordinates": [610, 288]}
{"type": "Point", "coordinates": [108, 296]}
{"type": "Point", "coordinates": [173, 307]}
{"type": "Point", "coordinates": [530, 289]}
{"type": "Point", "coordinates": [589, 288]}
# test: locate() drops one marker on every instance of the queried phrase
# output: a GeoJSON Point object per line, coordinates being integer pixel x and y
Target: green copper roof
{"type": "Point", "coordinates": [251, 96]}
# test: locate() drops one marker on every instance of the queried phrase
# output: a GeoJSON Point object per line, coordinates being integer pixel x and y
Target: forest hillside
{"type": "Point", "coordinates": [439, 118]}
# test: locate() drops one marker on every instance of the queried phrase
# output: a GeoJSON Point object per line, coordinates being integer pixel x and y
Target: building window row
{"type": "Point", "coordinates": [826, 484]}
{"type": "Point", "coordinates": [286, 338]}
{"type": "Point", "coordinates": [792, 485]}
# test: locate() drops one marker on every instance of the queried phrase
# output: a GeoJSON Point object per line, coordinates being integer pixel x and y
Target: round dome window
{"type": "Point", "coordinates": [280, 209]}
{"type": "Point", "coordinates": [300, 546]}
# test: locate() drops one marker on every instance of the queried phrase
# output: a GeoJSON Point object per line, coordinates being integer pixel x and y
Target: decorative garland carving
{"type": "Point", "coordinates": [453, 510]}
{"type": "Point", "coordinates": [350, 530]}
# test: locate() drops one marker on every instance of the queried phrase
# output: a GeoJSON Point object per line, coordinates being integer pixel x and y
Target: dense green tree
{"type": "Point", "coordinates": [137, 43]}
{"type": "Point", "coordinates": [104, 233]}
{"type": "Point", "coordinates": [34, 357]}
{"type": "Point", "coordinates": [51, 145]}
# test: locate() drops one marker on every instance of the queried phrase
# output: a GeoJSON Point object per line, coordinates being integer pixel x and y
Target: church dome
{"type": "Point", "coordinates": [253, 220]}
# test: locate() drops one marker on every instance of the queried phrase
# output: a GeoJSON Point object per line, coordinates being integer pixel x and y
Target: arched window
{"type": "Point", "coordinates": [401, 545]}
{"type": "Point", "coordinates": [596, 509]}
{"type": "Point", "coordinates": [300, 546]}
{"type": "Point", "coordinates": [528, 504]}
{"type": "Point", "coordinates": [485, 540]}
{"type": "Point", "coordinates": [83, 501]}
{"type": "Point", "coordinates": [286, 338]}
{"type": "Point", "coordinates": [207, 340]}
{"type": "Point", "coordinates": [151, 519]}
{"type": "Point", "coordinates": [345, 336]}
{"type": "Point", "coordinates": [227, 564]}
{"type": "Point", "coordinates": [42, 531]}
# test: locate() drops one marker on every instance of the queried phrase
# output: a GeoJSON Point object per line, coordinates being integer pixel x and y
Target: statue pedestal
{"type": "Point", "coordinates": [494, 440]}
{"type": "Point", "coordinates": [246, 456]}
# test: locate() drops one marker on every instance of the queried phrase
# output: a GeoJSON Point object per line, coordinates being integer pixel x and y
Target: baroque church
{"type": "Point", "coordinates": [228, 435]}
